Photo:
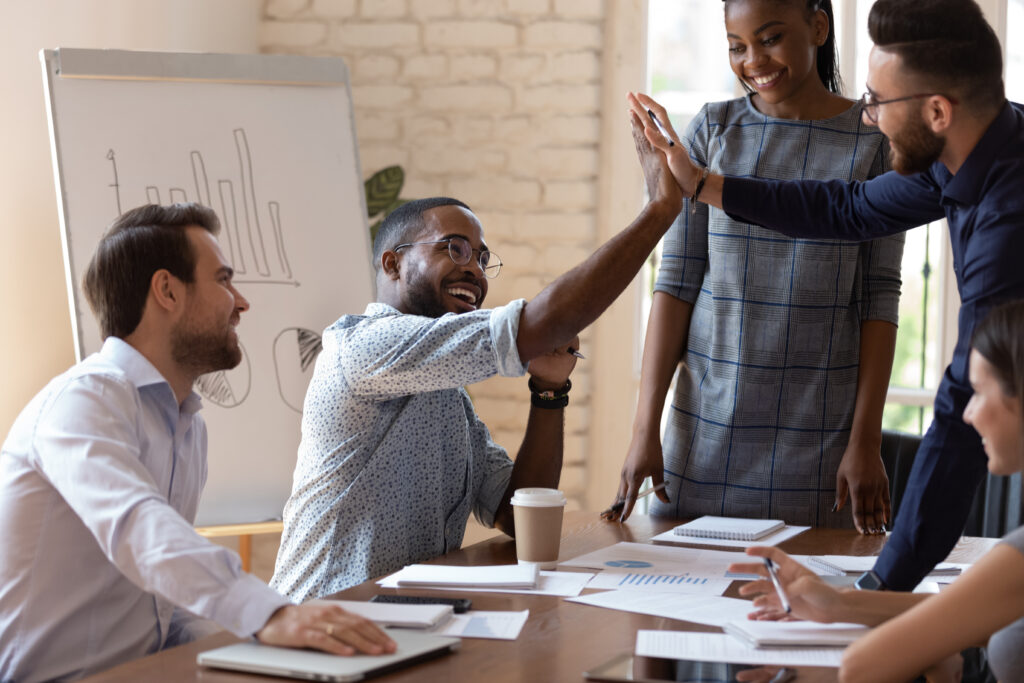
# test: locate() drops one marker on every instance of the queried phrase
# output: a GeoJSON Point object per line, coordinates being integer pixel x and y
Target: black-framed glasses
{"type": "Point", "coordinates": [871, 104]}
{"type": "Point", "coordinates": [461, 253]}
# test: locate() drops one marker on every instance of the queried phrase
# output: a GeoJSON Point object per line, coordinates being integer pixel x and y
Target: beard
{"type": "Point", "coordinates": [204, 350]}
{"type": "Point", "coordinates": [422, 298]}
{"type": "Point", "coordinates": [914, 148]}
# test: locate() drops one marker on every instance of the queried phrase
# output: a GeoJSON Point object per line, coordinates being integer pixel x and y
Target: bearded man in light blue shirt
{"type": "Point", "coordinates": [101, 473]}
{"type": "Point", "coordinates": [393, 458]}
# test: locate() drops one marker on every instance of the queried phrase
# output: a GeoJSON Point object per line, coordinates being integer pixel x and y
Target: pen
{"type": "Point", "coordinates": [574, 352]}
{"type": "Point", "coordinates": [618, 505]}
{"type": "Point", "coordinates": [778, 586]}
{"type": "Point", "coordinates": [660, 127]}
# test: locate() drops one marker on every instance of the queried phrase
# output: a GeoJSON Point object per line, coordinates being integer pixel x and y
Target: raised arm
{"type": "Point", "coordinates": [578, 297]}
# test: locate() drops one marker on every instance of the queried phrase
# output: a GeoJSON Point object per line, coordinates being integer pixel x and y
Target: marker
{"type": "Point", "coordinates": [661, 128]}
{"type": "Point", "coordinates": [778, 586]}
{"type": "Point", "coordinates": [617, 506]}
{"type": "Point", "coordinates": [574, 352]}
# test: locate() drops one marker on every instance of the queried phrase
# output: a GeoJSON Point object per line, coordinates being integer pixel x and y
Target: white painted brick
{"type": "Point", "coordinates": [474, 98]}
{"type": "Point", "coordinates": [581, 382]}
{"type": "Point", "coordinates": [517, 257]}
{"type": "Point", "coordinates": [562, 34]}
{"type": "Point", "coordinates": [570, 129]}
{"type": "Point", "coordinates": [526, 286]}
{"type": "Point", "coordinates": [426, 127]}
{"type": "Point", "coordinates": [514, 129]}
{"type": "Point", "coordinates": [531, 8]}
{"type": "Point", "coordinates": [381, 96]}
{"type": "Point", "coordinates": [555, 163]}
{"type": "Point", "coordinates": [419, 187]}
{"type": "Point", "coordinates": [436, 159]}
{"type": "Point", "coordinates": [284, 9]}
{"type": "Point", "coordinates": [509, 439]}
{"type": "Point", "coordinates": [475, 130]}
{"type": "Point", "coordinates": [579, 228]}
{"type": "Point", "coordinates": [383, 9]}
{"type": "Point", "coordinates": [577, 418]}
{"type": "Point", "coordinates": [498, 226]}
{"type": "Point", "coordinates": [495, 193]}
{"type": "Point", "coordinates": [580, 9]}
{"type": "Point", "coordinates": [558, 258]}
{"type": "Point", "coordinates": [574, 67]}
{"type": "Point", "coordinates": [428, 9]}
{"type": "Point", "coordinates": [425, 67]}
{"type": "Point", "coordinates": [375, 127]}
{"type": "Point", "coordinates": [561, 99]}
{"type": "Point", "coordinates": [574, 477]}
{"type": "Point", "coordinates": [481, 8]}
{"type": "Point", "coordinates": [469, 34]}
{"type": "Point", "coordinates": [373, 157]}
{"type": "Point", "coordinates": [472, 67]}
{"type": "Point", "coordinates": [519, 67]}
{"type": "Point", "coordinates": [374, 67]}
{"type": "Point", "coordinates": [293, 33]}
{"type": "Point", "coordinates": [574, 448]}
{"type": "Point", "coordinates": [513, 388]}
{"type": "Point", "coordinates": [376, 35]}
{"type": "Point", "coordinates": [334, 9]}
{"type": "Point", "coordinates": [572, 194]}
{"type": "Point", "coordinates": [500, 413]}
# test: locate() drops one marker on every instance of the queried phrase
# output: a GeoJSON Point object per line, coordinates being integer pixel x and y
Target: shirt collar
{"type": "Point", "coordinates": [965, 186]}
{"type": "Point", "coordinates": [377, 308]}
{"type": "Point", "coordinates": [141, 372]}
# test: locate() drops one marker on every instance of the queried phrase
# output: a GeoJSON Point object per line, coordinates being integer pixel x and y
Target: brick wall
{"type": "Point", "coordinates": [496, 103]}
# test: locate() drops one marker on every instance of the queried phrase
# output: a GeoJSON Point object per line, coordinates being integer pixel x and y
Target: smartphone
{"type": "Point", "coordinates": [629, 667]}
{"type": "Point", "coordinates": [459, 605]}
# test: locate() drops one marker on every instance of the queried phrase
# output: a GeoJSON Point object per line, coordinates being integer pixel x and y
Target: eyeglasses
{"type": "Point", "coordinates": [871, 104]}
{"type": "Point", "coordinates": [461, 253]}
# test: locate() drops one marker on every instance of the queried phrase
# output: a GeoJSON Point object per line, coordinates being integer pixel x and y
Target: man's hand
{"type": "Point", "coordinates": [324, 626]}
{"type": "Point", "coordinates": [684, 171]}
{"type": "Point", "coordinates": [861, 475]}
{"type": "Point", "coordinates": [643, 460]}
{"type": "Point", "coordinates": [809, 596]}
{"type": "Point", "coordinates": [552, 369]}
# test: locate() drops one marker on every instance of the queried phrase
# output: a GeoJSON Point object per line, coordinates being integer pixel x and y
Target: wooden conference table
{"type": "Point", "coordinates": [560, 640]}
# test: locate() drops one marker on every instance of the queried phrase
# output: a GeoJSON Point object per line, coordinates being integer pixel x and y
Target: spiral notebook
{"type": "Point", "coordinates": [729, 528]}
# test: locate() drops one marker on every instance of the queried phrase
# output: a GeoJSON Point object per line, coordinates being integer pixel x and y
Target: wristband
{"type": "Point", "coordinates": [700, 186]}
{"type": "Point", "coordinates": [551, 399]}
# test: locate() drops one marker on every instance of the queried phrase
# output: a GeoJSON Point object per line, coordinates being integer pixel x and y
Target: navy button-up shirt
{"type": "Point", "coordinates": [984, 206]}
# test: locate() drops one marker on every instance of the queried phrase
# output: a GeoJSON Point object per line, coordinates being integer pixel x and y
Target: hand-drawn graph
{"type": "Point", "coordinates": [295, 352]}
{"type": "Point", "coordinates": [227, 388]}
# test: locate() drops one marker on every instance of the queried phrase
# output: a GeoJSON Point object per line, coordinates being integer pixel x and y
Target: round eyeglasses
{"type": "Point", "coordinates": [871, 103]}
{"type": "Point", "coordinates": [461, 252]}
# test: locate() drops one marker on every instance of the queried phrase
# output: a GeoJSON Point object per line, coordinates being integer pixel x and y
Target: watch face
{"type": "Point", "coordinates": [869, 581]}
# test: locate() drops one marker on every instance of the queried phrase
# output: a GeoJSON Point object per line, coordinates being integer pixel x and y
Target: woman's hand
{"type": "Point", "coordinates": [809, 596]}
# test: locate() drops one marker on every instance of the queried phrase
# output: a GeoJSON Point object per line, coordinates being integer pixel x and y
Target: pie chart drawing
{"type": "Point", "coordinates": [227, 388]}
{"type": "Point", "coordinates": [295, 352]}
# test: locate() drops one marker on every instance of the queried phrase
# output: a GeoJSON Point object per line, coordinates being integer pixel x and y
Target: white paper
{"type": "Point", "coordinates": [492, 625]}
{"type": "Point", "coordinates": [784, 534]}
{"type": "Point", "coordinates": [713, 610]}
{"type": "Point", "coordinates": [645, 557]}
{"type": "Point", "coordinates": [562, 584]}
{"type": "Point", "coordinates": [447, 576]}
{"type": "Point", "coordinates": [659, 583]}
{"type": "Point", "coordinates": [794, 633]}
{"type": "Point", "coordinates": [718, 647]}
{"type": "Point", "coordinates": [397, 614]}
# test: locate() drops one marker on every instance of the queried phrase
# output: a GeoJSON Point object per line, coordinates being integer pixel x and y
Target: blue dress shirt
{"type": "Point", "coordinates": [99, 481]}
{"type": "Point", "coordinates": [393, 457]}
{"type": "Point", "coordinates": [984, 206]}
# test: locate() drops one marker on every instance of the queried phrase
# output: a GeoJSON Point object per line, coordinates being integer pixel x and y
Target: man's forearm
{"type": "Point", "coordinates": [538, 463]}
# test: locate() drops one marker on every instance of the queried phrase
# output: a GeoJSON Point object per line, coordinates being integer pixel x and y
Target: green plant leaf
{"type": "Point", "coordinates": [382, 189]}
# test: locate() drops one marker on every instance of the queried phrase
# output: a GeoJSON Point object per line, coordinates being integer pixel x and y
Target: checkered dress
{"type": "Point", "coordinates": [765, 395]}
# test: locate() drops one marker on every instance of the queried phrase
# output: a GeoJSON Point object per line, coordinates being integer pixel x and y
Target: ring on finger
{"type": "Point", "coordinates": [329, 630]}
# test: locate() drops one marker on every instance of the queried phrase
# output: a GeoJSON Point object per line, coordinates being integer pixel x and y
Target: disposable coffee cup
{"type": "Point", "coordinates": [538, 519]}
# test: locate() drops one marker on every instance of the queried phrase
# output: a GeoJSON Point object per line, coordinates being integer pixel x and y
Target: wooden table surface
{"type": "Point", "coordinates": [560, 640]}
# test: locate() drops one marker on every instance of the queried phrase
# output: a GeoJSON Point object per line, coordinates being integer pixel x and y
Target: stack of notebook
{"type": "Point", "coordinates": [729, 528]}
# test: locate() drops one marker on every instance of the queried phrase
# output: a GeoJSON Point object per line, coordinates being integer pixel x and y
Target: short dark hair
{"type": "Point", "coordinates": [827, 56]}
{"type": "Point", "coordinates": [947, 44]}
{"type": "Point", "coordinates": [405, 222]}
{"type": "Point", "coordinates": [1000, 339]}
{"type": "Point", "coordinates": [135, 246]}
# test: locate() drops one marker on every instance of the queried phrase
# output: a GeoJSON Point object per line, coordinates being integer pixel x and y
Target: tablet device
{"type": "Point", "coordinates": [629, 667]}
{"type": "Point", "coordinates": [254, 657]}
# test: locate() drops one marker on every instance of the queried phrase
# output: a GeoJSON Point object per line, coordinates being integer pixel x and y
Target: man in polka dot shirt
{"type": "Point", "coordinates": [393, 457]}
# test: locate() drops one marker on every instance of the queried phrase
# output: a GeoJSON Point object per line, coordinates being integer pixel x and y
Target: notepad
{"type": "Point", "coordinates": [729, 528]}
{"type": "Point", "coordinates": [393, 614]}
{"type": "Point", "coordinates": [794, 633]}
{"type": "Point", "coordinates": [445, 576]}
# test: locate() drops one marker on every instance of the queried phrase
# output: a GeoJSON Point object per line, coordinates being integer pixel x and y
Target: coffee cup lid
{"type": "Point", "coordinates": [538, 497]}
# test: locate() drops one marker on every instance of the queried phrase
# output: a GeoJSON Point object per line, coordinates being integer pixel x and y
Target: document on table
{"type": "Point", "coordinates": [478, 624]}
{"type": "Point", "coordinates": [719, 647]}
{"type": "Point", "coordinates": [784, 534]}
{"type": "Point", "coordinates": [651, 582]}
{"type": "Point", "coordinates": [794, 633]}
{"type": "Point", "coordinates": [713, 610]}
{"type": "Point", "coordinates": [562, 584]}
{"type": "Point", "coordinates": [645, 557]}
{"type": "Point", "coordinates": [446, 576]}
{"type": "Point", "coordinates": [838, 565]}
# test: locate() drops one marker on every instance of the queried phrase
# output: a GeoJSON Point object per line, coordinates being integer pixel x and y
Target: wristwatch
{"type": "Point", "coordinates": [870, 581]}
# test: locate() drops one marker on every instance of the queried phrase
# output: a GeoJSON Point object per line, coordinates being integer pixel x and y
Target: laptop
{"type": "Point", "coordinates": [252, 657]}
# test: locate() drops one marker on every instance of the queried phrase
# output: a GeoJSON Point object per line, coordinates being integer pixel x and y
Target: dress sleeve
{"type": "Point", "coordinates": [87, 446]}
{"type": "Point", "coordinates": [685, 247]}
{"type": "Point", "coordinates": [399, 355]}
{"type": "Point", "coordinates": [881, 263]}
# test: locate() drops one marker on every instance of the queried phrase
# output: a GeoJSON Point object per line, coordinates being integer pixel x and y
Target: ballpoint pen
{"type": "Point", "coordinates": [619, 504]}
{"type": "Point", "coordinates": [778, 586]}
{"type": "Point", "coordinates": [574, 352]}
{"type": "Point", "coordinates": [661, 128]}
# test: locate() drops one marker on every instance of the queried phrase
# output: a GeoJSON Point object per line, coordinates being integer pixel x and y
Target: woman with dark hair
{"type": "Point", "coordinates": [784, 346]}
{"type": "Point", "coordinates": [921, 630]}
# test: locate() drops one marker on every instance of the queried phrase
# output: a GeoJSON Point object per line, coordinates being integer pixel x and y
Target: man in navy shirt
{"type": "Point", "coordinates": [935, 89]}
